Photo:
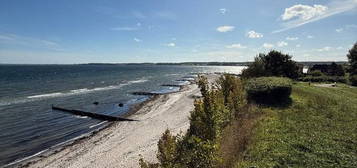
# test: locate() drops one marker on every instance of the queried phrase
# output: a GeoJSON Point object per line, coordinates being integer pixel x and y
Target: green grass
{"type": "Point", "coordinates": [319, 129]}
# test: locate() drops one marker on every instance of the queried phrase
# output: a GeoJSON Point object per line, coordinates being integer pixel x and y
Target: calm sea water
{"type": "Point", "coordinates": [29, 126]}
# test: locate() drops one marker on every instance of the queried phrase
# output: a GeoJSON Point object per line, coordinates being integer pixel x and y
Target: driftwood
{"type": "Point", "coordinates": [92, 115]}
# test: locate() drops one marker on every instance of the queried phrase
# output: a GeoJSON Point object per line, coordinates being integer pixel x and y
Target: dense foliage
{"type": "Point", "coordinates": [323, 78]}
{"type": "Point", "coordinates": [325, 73]}
{"type": "Point", "coordinates": [198, 147]}
{"type": "Point", "coordinates": [268, 89]}
{"type": "Point", "coordinates": [331, 70]}
{"type": "Point", "coordinates": [274, 63]}
{"type": "Point", "coordinates": [352, 59]}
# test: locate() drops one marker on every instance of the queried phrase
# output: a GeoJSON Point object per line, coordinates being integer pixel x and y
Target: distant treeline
{"type": "Point", "coordinates": [217, 63]}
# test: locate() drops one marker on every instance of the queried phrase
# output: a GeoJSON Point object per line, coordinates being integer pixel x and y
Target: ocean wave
{"type": "Point", "coordinates": [46, 95]}
{"type": "Point", "coordinates": [68, 93]}
{"type": "Point", "coordinates": [74, 92]}
{"type": "Point", "coordinates": [138, 81]}
{"type": "Point", "coordinates": [6, 103]}
{"type": "Point", "coordinates": [85, 90]}
{"type": "Point", "coordinates": [98, 124]}
{"type": "Point", "coordinates": [82, 117]}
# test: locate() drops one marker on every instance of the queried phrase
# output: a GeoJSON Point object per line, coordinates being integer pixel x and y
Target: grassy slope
{"type": "Point", "coordinates": [319, 129]}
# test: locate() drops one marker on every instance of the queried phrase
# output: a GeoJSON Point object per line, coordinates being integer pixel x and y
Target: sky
{"type": "Point", "coordinates": [122, 31]}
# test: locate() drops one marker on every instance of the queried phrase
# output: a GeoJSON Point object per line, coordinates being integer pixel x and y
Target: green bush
{"type": "Point", "coordinates": [353, 80]}
{"type": "Point", "coordinates": [316, 73]}
{"type": "Point", "coordinates": [323, 78]}
{"type": "Point", "coordinates": [268, 90]}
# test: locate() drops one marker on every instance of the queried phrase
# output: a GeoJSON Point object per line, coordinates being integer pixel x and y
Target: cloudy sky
{"type": "Point", "coordinates": [81, 31]}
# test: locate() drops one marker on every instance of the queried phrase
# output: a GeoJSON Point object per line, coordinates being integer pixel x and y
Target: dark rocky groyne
{"type": "Point", "coordinates": [93, 115]}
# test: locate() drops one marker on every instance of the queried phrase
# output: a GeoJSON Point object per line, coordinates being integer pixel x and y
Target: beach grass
{"type": "Point", "coordinates": [319, 129]}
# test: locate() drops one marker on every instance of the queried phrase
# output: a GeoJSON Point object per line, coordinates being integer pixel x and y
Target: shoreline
{"type": "Point", "coordinates": [32, 159]}
{"type": "Point", "coordinates": [57, 156]}
{"type": "Point", "coordinates": [28, 160]}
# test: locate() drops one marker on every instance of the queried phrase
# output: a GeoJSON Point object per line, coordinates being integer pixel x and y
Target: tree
{"type": "Point", "coordinates": [274, 63]}
{"type": "Point", "coordinates": [336, 70]}
{"type": "Point", "coordinates": [352, 59]}
{"type": "Point", "coordinates": [256, 69]}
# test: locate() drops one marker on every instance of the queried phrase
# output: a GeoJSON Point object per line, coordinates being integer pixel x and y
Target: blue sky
{"type": "Point", "coordinates": [82, 31]}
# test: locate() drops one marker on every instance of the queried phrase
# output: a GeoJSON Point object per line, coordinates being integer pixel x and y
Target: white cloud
{"type": "Point", "coordinates": [223, 11]}
{"type": "Point", "coordinates": [253, 34]}
{"type": "Point", "coordinates": [339, 48]}
{"type": "Point", "coordinates": [268, 45]}
{"type": "Point", "coordinates": [170, 44]}
{"type": "Point", "coordinates": [281, 44]}
{"type": "Point", "coordinates": [324, 49]}
{"type": "Point", "coordinates": [225, 28]}
{"type": "Point", "coordinates": [299, 15]}
{"type": "Point", "coordinates": [304, 12]}
{"type": "Point", "coordinates": [298, 45]}
{"type": "Point", "coordinates": [339, 30]}
{"type": "Point", "coordinates": [236, 46]}
{"type": "Point", "coordinates": [137, 40]}
{"type": "Point", "coordinates": [310, 37]}
{"type": "Point", "coordinates": [292, 38]}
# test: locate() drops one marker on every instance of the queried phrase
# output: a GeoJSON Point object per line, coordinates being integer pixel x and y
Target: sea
{"type": "Point", "coordinates": [29, 126]}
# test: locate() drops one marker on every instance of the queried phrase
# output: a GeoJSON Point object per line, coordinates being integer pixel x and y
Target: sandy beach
{"type": "Point", "coordinates": [120, 144]}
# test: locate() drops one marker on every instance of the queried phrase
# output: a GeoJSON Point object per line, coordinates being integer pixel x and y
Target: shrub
{"type": "Point", "coordinates": [332, 70]}
{"type": "Point", "coordinates": [167, 149]}
{"type": "Point", "coordinates": [233, 92]}
{"type": "Point", "coordinates": [268, 90]}
{"type": "Point", "coordinates": [198, 147]}
{"type": "Point", "coordinates": [353, 80]}
{"type": "Point", "coordinates": [323, 78]}
{"type": "Point", "coordinates": [274, 63]}
{"type": "Point", "coordinates": [336, 70]}
{"type": "Point", "coordinates": [316, 73]}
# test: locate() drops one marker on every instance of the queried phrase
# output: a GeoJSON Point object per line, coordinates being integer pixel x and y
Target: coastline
{"type": "Point", "coordinates": [119, 144]}
{"type": "Point", "coordinates": [27, 161]}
